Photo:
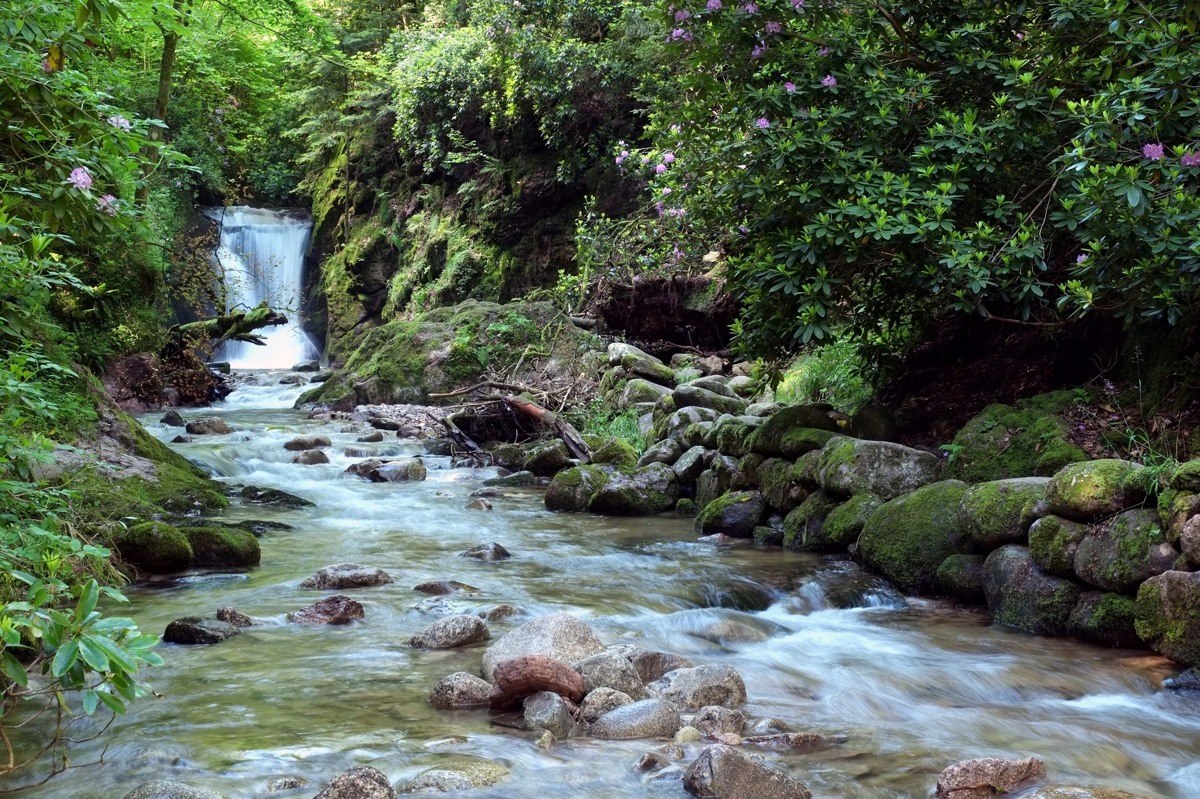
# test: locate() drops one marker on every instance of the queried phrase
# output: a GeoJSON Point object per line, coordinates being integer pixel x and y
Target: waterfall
{"type": "Point", "coordinates": [260, 259]}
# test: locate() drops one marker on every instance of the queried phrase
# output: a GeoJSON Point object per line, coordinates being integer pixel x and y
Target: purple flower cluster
{"type": "Point", "coordinates": [762, 122]}
{"type": "Point", "coordinates": [679, 34]}
{"type": "Point", "coordinates": [1153, 151]}
{"type": "Point", "coordinates": [750, 8]}
{"type": "Point", "coordinates": [789, 87]}
{"type": "Point", "coordinates": [714, 5]}
{"type": "Point", "coordinates": [120, 123]}
{"type": "Point", "coordinates": [1190, 159]}
{"type": "Point", "coordinates": [829, 81]}
{"type": "Point", "coordinates": [774, 26]}
{"type": "Point", "coordinates": [107, 204]}
{"type": "Point", "coordinates": [80, 178]}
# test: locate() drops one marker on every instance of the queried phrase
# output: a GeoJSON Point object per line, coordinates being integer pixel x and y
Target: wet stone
{"type": "Point", "coordinates": [460, 690]}
{"type": "Point", "coordinates": [488, 552]}
{"type": "Point", "coordinates": [194, 631]}
{"type": "Point", "coordinates": [451, 632]}
{"type": "Point", "coordinates": [442, 587]}
{"type": "Point", "coordinates": [336, 609]}
{"type": "Point", "coordinates": [342, 576]}
{"type": "Point", "coordinates": [234, 617]}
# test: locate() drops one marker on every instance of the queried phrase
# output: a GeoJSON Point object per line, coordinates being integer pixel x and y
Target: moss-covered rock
{"type": "Point", "coordinates": [640, 390]}
{"type": "Point", "coordinates": [733, 433]}
{"type": "Point", "coordinates": [1004, 442]}
{"type": "Point", "coordinates": [1106, 619]}
{"type": "Point", "coordinates": [685, 507]}
{"type": "Point", "coordinates": [721, 477]}
{"type": "Point", "coordinates": [847, 520]}
{"type": "Point", "coordinates": [617, 453]}
{"type": "Point", "coordinates": [805, 471]}
{"type": "Point", "coordinates": [700, 434]}
{"type": "Point", "coordinates": [1168, 615]}
{"type": "Point", "coordinates": [777, 485]}
{"type": "Point", "coordinates": [1098, 488]}
{"type": "Point", "coordinates": [748, 465]}
{"type": "Point", "coordinates": [1121, 552]}
{"type": "Point", "coordinates": [508, 456]}
{"type": "Point", "coordinates": [768, 536]}
{"type": "Point", "coordinates": [908, 537]}
{"type": "Point", "coordinates": [691, 464]}
{"type": "Point", "coordinates": [153, 547]}
{"type": "Point", "coordinates": [649, 368]}
{"type": "Point", "coordinates": [804, 528]}
{"type": "Point", "coordinates": [1186, 477]}
{"type": "Point", "coordinates": [691, 395]}
{"type": "Point", "coordinates": [1022, 596]}
{"type": "Point", "coordinates": [546, 460]}
{"type": "Point", "coordinates": [773, 439]}
{"type": "Point", "coordinates": [572, 489]}
{"type": "Point", "coordinates": [735, 514]}
{"type": "Point", "coordinates": [272, 497]}
{"type": "Point", "coordinates": [1000, 512]}
{"type": "Point", "coordinates": [677, 422]}
{"type": "Point", "coordinates": [222, 547]}
{"type": "Point", "coordinates": [651, 489]}
{"type": "Point", "coordinates": [666, 452]}
{"type": "Point", "coordinates": [1177, 507]}
{"type": "Point", "coordinates": [961, 576]}
{"type": "Point", "coordinates": [1053, 542]}
{"type": "Point", "coordinates": [849, 466]}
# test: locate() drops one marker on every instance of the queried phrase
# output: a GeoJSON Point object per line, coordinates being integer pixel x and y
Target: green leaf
{"type": "Point", "coordinates": [64, 658]}
{"type": "Point", "coordinates": [87, 600]}
{"type": "Point", "coordinates": [13, 669]}
{"type": "Point", "coordinates": [93, 655]}
{"type": "Point", "coordinates": [91, 701]}
{"type": "Point", "coordinates": [111, 702]}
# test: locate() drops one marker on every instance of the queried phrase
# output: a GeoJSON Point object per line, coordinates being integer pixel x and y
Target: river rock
{"type": "Point", "coordinates": [530, 674]}
{"type": "Point", "coordinates": [342, 576]}
{"type": "Point", "coordinates": [651, 489]}
{"type": "Point", "coordinates": [961, 576]}
{"type": "Point", "coordinates": [1000, 512]}
{"type": "Point", "coordinates": [694, 688]}
{"type": "Point", "coordinates": [908, 538]}
{"type": "Point", "coordinates": [1022, 596]}
{"type": "Point", "coordinates": [301, 443]}
{"type": "Point", "coordinates": [273, 497]}
{"type": "Point", "coordinates": [652, 665]}
{"type": "Point", "coordinates": [545, 460]}
{"type": "Point", "coordinates": [723, 772]}
{"type": "Point", "coordinates": [172, 419]}
{"type": "Point", "coordinates": [360, 782]}
{"type": "Point", "coordinates": [400, 471]}
{"type": "Point", "coordinates": [234, 617]}
{"type": "Point", "coordinates": [560, 636]}
{"type": "Point", "coordinates": [714, 720]}
{"type": "Point", "coordinates": [1121, 552]}
{"type": "Point", "coordinates": [1092, 489]}
{"type": "Point", "coordinates": [804, 526]}
{"type": "Point", "coordinates": [665, 452]}
{"type": "Point", "coordinates": [649, 718]}
{"type": "Point", "coordinates": [478, 503]}
{"type": "Point", "coordinates": [793, 431]}
{"type": "Point", "coordinates": [374, 437]}
{"type": "Point", "coordinates": [488, 552]}
{"type": "Point", "coordinates": [193, 630]}
{"type": "Point", "coordinates": [735, 514]}
{"type": "Point", "coordinates": [336, 609]}
{"type": "Point", "coordinates": [466, 774]}
{"type": "Point", "coordinates": [850, 466]}
{"type": "Point", "coordinates": [984, 777]}
{"type": "Point", "coordinates": [572, 489]}
{"type": "Point", "coordinates": [548, 711]}
{"type": "Point", "coordinates": [460, 690]}
{"type": "Point", "coordinates": [640, 390]}
{"type": "Point", "coordinates": [514, 480]}
{"type": "Point", "coordinates": [1053, 543]}
{"type": "Point", "coordinates": [795, 741]}
{"type": "Point", "coordinates": [676, 425]}
{"type": "Point", "coordinates": [443, 587]}
{"type": "Point", "coordinates": [385, 423]}
{"type": "Point", "coordinates": [312, 457]}
{"type": "Point", "coordinates": [153, 547]}
{"type": "Point", "coordinates": [691, 395]}
{"type": "Point", "coordinates": [610, 670]}
{"type": "Point", "coordinates": [601, 701]}
{"type": "Point", "coordinates": [222, 547]}
{"type": "Point", "coordinates": [451, 632]}
{"type": "Point", "coordinates": [1106, 619]}
{"type": "Point", "coordinates": [1074, 792]}
{"type": "Point", "coordinates": [208, 426]}
{"type": "Point", "coordinates": [281, 784]}
{"type": "Point", "coordinates": [307, 366]}
{"type": "Point", "coordinates": [691, 464]}
{"type": "Point", "coordinates": [169, 789]}
{"type": "Point", "coordinates": [844, 524]}
{"type": "Point", "coordinates": [1167, 619]}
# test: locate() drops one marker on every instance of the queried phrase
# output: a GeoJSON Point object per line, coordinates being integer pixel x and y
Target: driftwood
{"type": "Point", "coordinates": [525, 676]}
{"type": "Point", "coordinates": [238, 326]}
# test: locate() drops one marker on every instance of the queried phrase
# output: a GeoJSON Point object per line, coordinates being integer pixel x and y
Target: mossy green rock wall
{"type": "Point", "coordinates": [779, 436]}
{"type": "Point", "coordinates": [1168, 615]}
{"type": "Point", "coordinates": [804, 528]}
{"type": "Point", "coordinates": [1106, 619]}
{"type": "Point", "coordinates": [908, 538]}
{"type": "Point", "coordinates": [1000, 512]}
{"type": "Point", "coordinates": [961, 576]}
{"type": "Point", "coordinates": [1097, 488]}
{"type": "Point", "coordinates": [1022, 596]}
{"type": "Point", "coordinates": [1121, 552]}
{"type": "Point", "coordinates": [735, 514]}
{"type": "Point", "coordinates": [651, 489]}
{"type": "Point", "coordinates": [1053, 542]}
{"type": "Point", "coordinates": [849, 466]}
{"type": "Point", "coordinates": [1004, 442]}
{"type": "Point", "coordinates": [572, 489]}
{"type": "Point", "coordinates": [847, 520]}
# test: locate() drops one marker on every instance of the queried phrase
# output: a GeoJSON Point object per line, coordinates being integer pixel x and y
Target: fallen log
{"type": "Point", "coordinates": [530, 674]}
{"type": "Point", "coordinates": [212, 333]}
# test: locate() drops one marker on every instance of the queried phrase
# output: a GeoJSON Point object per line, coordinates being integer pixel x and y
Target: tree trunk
{"type": "Point", "coordinates": [212, 333]}
{"type": "Point", "coordinates": [166, 68]}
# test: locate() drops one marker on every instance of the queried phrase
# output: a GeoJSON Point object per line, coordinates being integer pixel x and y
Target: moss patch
{"type": "Point", "coordinates": [908, 538]}
{"type": "Point", "coordinates": [221, 547]}
{"type": "Point", "coordinates": [153, 547]}
{"type": "Point", "coordinates": [1003, 442]}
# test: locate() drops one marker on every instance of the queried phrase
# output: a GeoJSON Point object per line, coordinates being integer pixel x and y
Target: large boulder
{"type": "Point", "coordinates": [451, 632]}
{"type": "Point", "coordinates": [722, 476]}
{"type": "Point", "coordinates": [208, 426]}
{"type": "Point", "coordinates": [222, 547]}
{"type": "Point", "coordinates": [844, 523]}
{"type": "Point", "coordinates": [649, 718]}
{"type": "Point", "coordinates": [1093, 489]}
{"type": "Point", "coordinates": [1022, 596]}
{"type": "Point", "coordinates": [694, 688]}
{"type": "Point", "coordinates": [850, 466]}
{"type": "Point", "coordinates": [666, 452]}
{"type": "Point", "coordinates": [731, 434]}
{"type": "Point", "coordinates": [691, 464]}
{"type": "Point", "coordinates": [804, 527]}
{"type": "Point", "coordinates": [1106, 619]}
{"type": "Point", "coordinates": [341, 576]}
{"type": "Point", "coordinates": [984, 777]}
{"type": "Point", "coordinates": [651, 489]}
{"type": "Point", "coordinates": [908, 538]}
{"type": "Point", "coordinates": [778, 486]}
{"type": "Point", "coordinates": [611, 670]}
{"type": "Point", "coordinates": [460, 690]}
{"type": "Point", "coordinates": [1121, 552]}
{"type": "Point", "coordinates": [1000, 512]}
{"type": "Point", "coordinates": [961, 576]}
{"type": "Point", "coordinates": [560, 636]}
{"type": "Point", "coordinates": [648, 367]}
{"type": "Point", "coordinates": [153, 547]}
{"type": "Point", "coordinates": [1053, 543]}
{"type": "Point", "coordinates": [616, 453]}
{"type": "Point", "coordinates": [302, 443]}
{"type": "Point", "coordinates": [548, 711]}
{"type": "Point", "coordinates": [638, 391]}
{"type": "Point", "coordinates": [546, 459]}
{"type": "Point", "coordinates": [676, 424]}
{"type": "Point", "coordinates": [169, 789]}
{"type": "Point", "coordinates": [193, 631]}
{"type": "Point", "coordinates": [690, 395]}
{"type": "Point", "coordinates": [1186, 476]}
{"type": "Point", "coordinates": [735, 514]}
{"type": "Point", "coordinates": [1168, 619]}
{"type": "Point", "coordinates": [1003, 442]}
{"type": "Point", "coordinates": [601, 701]}
{"type": "Point", "coordinates": [794, 430]}
{"type": "Point", "coordinates": [360, 782]}
{"type": "Point", "coordinates": [336, 609]}
{"type": "Point", "coordinates": [724, 772]}
{"type": "Point", "coordinates": [572, 489]}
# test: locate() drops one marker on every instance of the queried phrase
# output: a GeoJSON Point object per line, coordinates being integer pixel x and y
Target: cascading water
{"type": "Point", "coordinates": [260, 259]}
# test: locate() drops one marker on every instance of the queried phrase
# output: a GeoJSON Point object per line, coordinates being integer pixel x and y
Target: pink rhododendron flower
{"type": "Point", "coordinates": [762, 122]}
{"type": "Point", "coordinates": [1190, 159]}
{"type": "Point", "coordinates": [107, 204]}
{"type": "Point", "coordinates": [828, 81]}
{"type": "Point", "coordinates": [80, 178]}
{"type": "Point", "coordinates": [714, 5]}
{"type": "Point", "coordinates": [120, 123]}
{"type": "Point", "coordinates": [660, 169]}
{"type": "Point", "coordinates": [774, 27]}
{"type": "Point", "coordinates": [682, 14]}
{"type": "Point", "coordinates": [823, 51]}
{"type": "Point", "coordinates": [789, 87]}
{"type": "Point", "coordinates": [668, 158]}
{"type": "Point", "coordinates": [1153, 151]}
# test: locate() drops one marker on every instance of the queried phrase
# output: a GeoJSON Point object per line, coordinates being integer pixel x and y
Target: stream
{"type": "Point", "coordinates": [915, 685]}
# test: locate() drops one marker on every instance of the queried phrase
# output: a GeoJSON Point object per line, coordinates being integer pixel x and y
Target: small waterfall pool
{"type": "Point", "coordinates": [915, 685]}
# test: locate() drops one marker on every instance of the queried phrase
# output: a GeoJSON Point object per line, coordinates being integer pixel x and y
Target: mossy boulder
{"type": "Point", "coordinates": [273, 497]}
{"type": "Point", "coordinates": [648, 367]}
{"type": "Point", "coordinates": [700, 434]}
{"type": "Point", "coordinates": [733, 433]}
{"type": "Point", "coordinates": [748, 465]}
{"type": "Point", "coordinates": [805, 470]}
{"type": "Point", "coordinates": [154, 547]}
{"type": "Point", "coordinates": [1098, 488]}
{"type": "Point", "coordinates": [690, 395]}
{"type": "Point", "coordinates": [1186, 476]}
{"type": "Point", "coordinates": [961, 576]}
{"type": "Point", "coordinates": [1004, 442]}
{"type": "Point", "coordinates": [850, 466]}
{"type": "Point", "coordinates": [1000, 512]}
{"type": "Point", "coordinates": [775, 480]}
{"type": "Point", "coordinates": [222, 547]}
{"type": "Point", "coordinates": [1121, 552]}
{"type": "Point", "coordinates": [617, 453]}
{"type": "Point", "coordinates": [666, 451]}
{"type": "Point", "coordinates": [1022, 596]}
{"type": "Point", "coordinates": [781, 435]}
{"type": "Point", "coordinates": [508, 456]}
{"type": "Point", "coordinates": [846, 521]}
{"type": "Point", "coordinates": [908, 537]}
{"type": "Point", "coordinates": [1053, 542]}
{"type": "Point", "coordinates": [804, 527]}
{"type": "Point", "coordinates": [721, 477]}
{"type": "Point", "coordinates": [572, 489]}
{"type": "Point", "coordinates": [546, 460]}
{"type": "Point", "coordinates": [735, 514]}
{"type": "Point", "coordinates": [691, 464]}
{"type": "Point", "coordinates": [639, 390]}
{"type": "Point", "coordinates": [1168, 615]}
{"type": "Point", "coordinates": [1106, 619]}
{"type": "Point", "coordinates": [651, 489]}
{"type": "Point", "coordinates": [679, 421]}
{"type": "Point", "coordinates": [1178, 507]}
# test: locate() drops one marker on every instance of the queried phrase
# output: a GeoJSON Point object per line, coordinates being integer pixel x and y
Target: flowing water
{"type": "Point", "coordinates": [914, 685]}
{"type": "Point", "coordinates": [260, 259]}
